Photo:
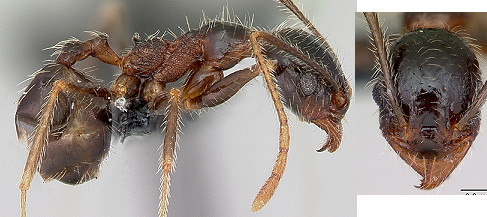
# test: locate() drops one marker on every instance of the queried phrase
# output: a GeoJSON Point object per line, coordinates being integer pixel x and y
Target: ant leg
{"type": "Point", "coordinates": [169, 147]}
{"type": "Point", "coordinates": [227, 87]}
{"type": "Point", "coordinates": [42, 130]}
{"type": "Point", "coordinates": [72, 51]}
{"type": "Point", "coordinates": [198, 83]}
{"type": "Point", "coordinates": [215, 91]}
{"type": "Point", "coordinates": [272, 182]}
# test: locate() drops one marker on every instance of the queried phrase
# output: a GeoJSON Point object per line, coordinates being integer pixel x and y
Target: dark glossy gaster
{"type": "Point", "coordinates": [68, 117]}
{"type": "Point", "coordinates": [429, 94]}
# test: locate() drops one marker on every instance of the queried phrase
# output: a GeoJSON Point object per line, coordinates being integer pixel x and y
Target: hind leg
{"type": "Point", "coordinates": [42, 129]}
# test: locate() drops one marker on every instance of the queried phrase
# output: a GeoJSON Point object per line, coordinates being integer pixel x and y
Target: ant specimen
{"type": "Point", "coordinates": [68, 117]}
{"type": "Point", "coordinates": [429, 92]}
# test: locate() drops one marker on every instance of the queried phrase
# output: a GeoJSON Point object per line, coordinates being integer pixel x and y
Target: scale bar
{"type": "Point", "coordinates": [473, 189]}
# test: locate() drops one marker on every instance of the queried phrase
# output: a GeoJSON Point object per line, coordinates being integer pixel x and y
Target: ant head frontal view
{"type": "Point", "coordinates": [429, 92]}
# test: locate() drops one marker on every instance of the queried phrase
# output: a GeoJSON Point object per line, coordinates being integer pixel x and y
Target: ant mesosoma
{"type": "Point", "coordinates": [68, 117]}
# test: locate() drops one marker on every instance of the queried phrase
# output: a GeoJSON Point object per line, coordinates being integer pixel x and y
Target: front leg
{"type": "Point", "coordinates": [206, 88]}
{"type": "Point", "coordinates": [272, 182]}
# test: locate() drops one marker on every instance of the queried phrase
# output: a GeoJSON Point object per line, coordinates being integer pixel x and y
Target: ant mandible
{"type": "Point", "coordinates": [72, 133]}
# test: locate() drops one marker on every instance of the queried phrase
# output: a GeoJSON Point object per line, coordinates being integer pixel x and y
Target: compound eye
{"type": "Point", "coordinates": [307, 83]}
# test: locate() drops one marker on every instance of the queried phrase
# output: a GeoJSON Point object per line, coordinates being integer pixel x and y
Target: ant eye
{"type": "Point", "coordinates": [307, 83]}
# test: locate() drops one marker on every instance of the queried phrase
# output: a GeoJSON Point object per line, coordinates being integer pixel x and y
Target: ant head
{"type": "Point", "coordinates": [432, 89]}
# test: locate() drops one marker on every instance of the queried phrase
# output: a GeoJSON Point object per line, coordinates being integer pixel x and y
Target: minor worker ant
{"type": "Point", "coordinates": [429, 92]}
{"type": "Point", "coordinates": [71, 104]}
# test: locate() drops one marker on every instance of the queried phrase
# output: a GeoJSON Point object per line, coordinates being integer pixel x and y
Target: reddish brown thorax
{"type": "Point", "coordinates": [164, 60]}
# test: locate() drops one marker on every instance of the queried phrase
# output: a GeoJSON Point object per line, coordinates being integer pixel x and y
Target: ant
{"type": "Point", "coordinates": [429, 92]}
{"type": "Point", "coordinates": [68, 117]}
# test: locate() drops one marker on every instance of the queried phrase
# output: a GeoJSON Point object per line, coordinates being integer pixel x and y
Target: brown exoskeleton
{"type": "Point", "coordinates": [429, 92]}
{"type": "Point", "coordinates": [76, 115]}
